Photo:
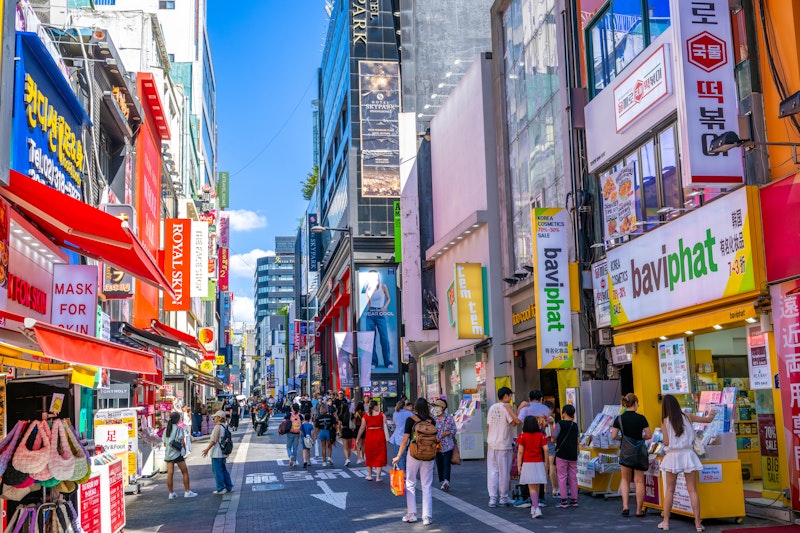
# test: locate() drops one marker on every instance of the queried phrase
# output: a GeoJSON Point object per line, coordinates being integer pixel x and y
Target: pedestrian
{"type": "Point", "coordinates": [499, 421]}
{"type": "Point", "coordinates": [347, 430]}
{"type": "Point", "coordinates": [293, 436]}
{"type": "Point", "coordinates": [307, 438]}
{"type": "Point", "coordinates": [401, 414]}
{"type": "Point", "coordinates": [566, 435]}
{"type": "Point", "coordinates": [305, 405]}
{"type": "Point", "coordinates": [550, 465]}
{"type": "Point", "coordinates": [681, 457]}
{"type": "Point", "coordinates": [340, 400]}
{"type": "Point", "coordinates": [532, 452]}
{"type": "Point", "coordinates": [414, 466]}
{"type": "Point", "coordinates": [326, 428]}
{"type": "Point", "coordinates": [218, 458]}
{"type": "Point", "coordinates": [235, 415]}
{"type": "Point", "coordinates": [635, 427]}
{"type": "Point", "coordinates": [373, 431]}
{"type": "Point", "coordinates": [358, 417]}
{"type": "Point", "coordinates": [446, 433]}
{"type": "Point", "coordinates": [186, 415]}
{"type": "Point", "coordinates": [174, 440]}
{"type": "Point", "coordinates": [534, 407]}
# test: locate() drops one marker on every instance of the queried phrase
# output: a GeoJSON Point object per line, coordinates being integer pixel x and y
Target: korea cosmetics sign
{"type": "Point", "coordinates": [551, 279]}
{"type": "Point", "coordinates": [377, 311]}
{"type": "Point", "coordinates": [701, 257]}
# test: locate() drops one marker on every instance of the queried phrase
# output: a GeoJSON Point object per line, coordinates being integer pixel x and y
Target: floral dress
{"type": "Point", "coordinates": [444, 424]}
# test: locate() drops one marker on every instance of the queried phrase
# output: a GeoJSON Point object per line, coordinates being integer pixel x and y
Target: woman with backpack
{"type": "Point", "coordinates": [420, 439]}
{"type": "Point", "coordinates": [293, 436]}
{"type": "Point", "coordinates": [220, 437]}
{"type": "Point", "coordinates": [374, 431]}
{"type": "Point", "coordinates": [174, 446]}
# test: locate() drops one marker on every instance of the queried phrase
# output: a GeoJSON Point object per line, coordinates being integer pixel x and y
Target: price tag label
{"type": "Point", "coordinates": [711, 474]}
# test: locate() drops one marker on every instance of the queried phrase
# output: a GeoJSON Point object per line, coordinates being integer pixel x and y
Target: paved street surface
{"type": "Point", "coordinates": [269, 496]}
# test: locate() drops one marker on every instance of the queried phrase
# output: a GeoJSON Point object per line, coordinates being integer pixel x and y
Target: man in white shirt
{"type": "Point", "coordinates": [500, 419]}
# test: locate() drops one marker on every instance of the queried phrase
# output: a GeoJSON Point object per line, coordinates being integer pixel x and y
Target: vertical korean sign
{"type": "Point", "coordinates": [223, 189]}
{"type": "Point", "coordinates": [379, 90]}
{"type": "Point", "coordinates": [117, 283]}
{"type": "Point", "coordinates": [551, 280]}
{"type": "Point", "coordinates": [469, 305]}
{"type": "Point", "coordinates": [222, 272]}
{"type": "Point", "coordinates": [199, 265]}
{"type": "Point", "coordinates": [786, 316]}
{"type": "Point", "coordinates": [177, 262]}
{"type": "Point", "coordinates": [314, 244]}
{"type": "Point", "coordinates": [706, 91]}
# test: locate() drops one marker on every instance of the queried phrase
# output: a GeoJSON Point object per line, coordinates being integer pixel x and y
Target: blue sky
{"type": "Point", "coordinates": [265, 56]}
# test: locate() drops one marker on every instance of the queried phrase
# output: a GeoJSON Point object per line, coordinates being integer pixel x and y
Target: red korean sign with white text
{"type": "Point", "coordinates": [786, 318]}
{"type": "Point", "coordinates": [89, 505]}
{"type": "Point", "coordinates": [178, 262]}
{"type": "Point", "coordinates": [706, 91]}
{"type": "Point", "coordinates": [116, 490]}
{"type": "Point", "coordinates": [222, 276]}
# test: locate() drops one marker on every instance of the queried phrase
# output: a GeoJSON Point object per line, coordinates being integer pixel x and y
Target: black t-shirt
{"type": "Point", "coordinates": [305, 406]}
{"type": "Point", "coordinates": [326, 422]}
{"type": "Point", "coordinates": [632, 425]}
{"type": "Point", "coordinates": [567, 440]}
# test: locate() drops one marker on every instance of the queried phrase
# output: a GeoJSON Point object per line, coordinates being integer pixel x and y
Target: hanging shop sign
{"type": "Point", "coordinates": [207, 338]}
{"type": "Point", "coordinates": [706, 92]}
{"type": "Point", "coordinates": [75, 298]}
{"type": "Point", "coordinates": [786, 317]}
{"type": "Point", "coordinates": [777, 199]}
{"type": "Point", "coordinates": [469, 301]}
{"type": "Point", "coordinates": [207, 367]}
{"type": "Point", "coordinates": [644, 87]}
{"type": "Point", "coordinates": [5, 250]}
{"type": "Point", "coordinates": [758, 359]}
{"type": "Point", "coordinates": [224, 230]}
{"type": "Point", "coordinates": [199, 263]}
{"type": "Point", "coordinates": [703, 256]}
{"type": "Point", "coordinates": [552, 288]}
{"type": "Point", "coordinates": [674, 370]}
{"type": "Point", "coordinates": [314, 244]}
{"type": "Point", "coordinates": [48, 121]}
{"type": "Point", "coordinates": [118, 283]}
{"type": "Point", "coordinates": [224, 265]}
{"type": "Point", "coordinates": [177, 262]}
{"type": "Point", "coordinates": [602, 305]}
{"type": "Point", "coordinates": [619, 203]}
{"type": "Point", "coordinates": [223, 189]}
{"type": "Point", "coordinates": [379, 105]}
{"type": "Point", "coordinates": [523, 315]}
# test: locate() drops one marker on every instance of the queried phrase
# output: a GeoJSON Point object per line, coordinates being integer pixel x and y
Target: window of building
{"type": "Point", "coordinates": [166, 4]}
{"type": "Point", "coordinates": [618, 33]}
{"type": "Point", "coordinates": [171, 58]}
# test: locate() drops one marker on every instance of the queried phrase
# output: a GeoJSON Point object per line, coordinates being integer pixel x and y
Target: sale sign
{"type": "Point", "coordinates": [89, 505]}
{"type": "Point", "coordinates": [178, 262]}
{"type": "Point", "coordinates": [75, 298]}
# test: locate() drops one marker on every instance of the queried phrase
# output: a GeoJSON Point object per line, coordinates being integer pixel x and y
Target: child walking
{"type": "Point", "coordinates": [566, 435]}
{"type": "Point", "coordinates": [531, 454]}
{"type": "Point", "coordinates": [307, 438]}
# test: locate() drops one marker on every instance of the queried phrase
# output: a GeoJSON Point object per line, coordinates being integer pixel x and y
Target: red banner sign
{"type": "Point", "coordinates": [786, 318]}
{"type": "Point", "coordinates": [89, 505]}
{"type": "Point", "coordinates": [224, 259]}
{"type": "Point", "coordinates": [177, 262]}
{"type": "Point", "coordinates": [116, 489]}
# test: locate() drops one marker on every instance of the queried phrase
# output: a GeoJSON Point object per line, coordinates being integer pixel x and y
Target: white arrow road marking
{"type": "Point", "coordinates": [337, 499]}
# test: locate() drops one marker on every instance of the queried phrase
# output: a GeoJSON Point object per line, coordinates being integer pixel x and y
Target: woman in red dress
{"type": "Point", "coordinates": [374, 431]}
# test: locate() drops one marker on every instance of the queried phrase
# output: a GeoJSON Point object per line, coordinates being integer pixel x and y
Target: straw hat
{"type": "Point", "coordinates": [440, 403]}
{"type": "Point", "coordinates": [220, 414]}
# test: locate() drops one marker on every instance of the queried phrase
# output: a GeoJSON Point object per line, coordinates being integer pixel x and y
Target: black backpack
{"type": "Point", "coordinates": [226, 441]}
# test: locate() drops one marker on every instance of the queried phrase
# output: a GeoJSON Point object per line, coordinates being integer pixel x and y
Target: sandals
{"type": "Point", "coordinates": [626, 512]}
{"type": "Point", "coordinates": [664, 527]}
{"type": "Point", "coordinates": [701, 527]}
{"type": "Point", "coordinates": [368, 478]}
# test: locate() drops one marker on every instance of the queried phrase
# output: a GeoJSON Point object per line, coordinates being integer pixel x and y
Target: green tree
{"type": "Point", "coordinates": [310, 183]}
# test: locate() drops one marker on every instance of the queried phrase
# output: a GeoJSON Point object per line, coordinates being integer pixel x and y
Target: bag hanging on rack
{"type": "Point", "coordinates": [9, 444]}
{"type": "Point", "coordinates": [62, 462]}
{"type": "Point", "coordinates": [44, 476]}
{"type": "Point", "coordinates": [23, 520]}
{"type": "Point", "coordinates": [82, 470]}
{"type": "Point", "coordinates": [33, 460]}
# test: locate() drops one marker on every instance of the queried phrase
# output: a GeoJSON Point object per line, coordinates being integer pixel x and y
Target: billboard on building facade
{"type": "Point", "coordinates": [379, 91]}
{"type": "Point", "coordinates": [377, 311]}
{"type": "Point", "coordinates": [468, 301]}
{"type": "Point", "coordinates": [345, 362]}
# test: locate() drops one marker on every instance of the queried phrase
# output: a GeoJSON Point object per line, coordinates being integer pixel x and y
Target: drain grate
{"type": "Point", "coordinates": [268, 486]}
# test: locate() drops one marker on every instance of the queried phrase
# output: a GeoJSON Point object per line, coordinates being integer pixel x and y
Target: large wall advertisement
{"type": "Point", "coordinates": [379, 90]}
{"type": "Point", "coordinates": [377, 311]}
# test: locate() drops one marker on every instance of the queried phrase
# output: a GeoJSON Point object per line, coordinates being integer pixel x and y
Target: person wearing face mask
{"type": "Point", "coordinates": [445, 432]}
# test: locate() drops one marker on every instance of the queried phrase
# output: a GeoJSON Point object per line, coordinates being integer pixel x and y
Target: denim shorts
{"type": "Point", "coordinates": [551, 447]}
{"type": "Point", "coordinates": [324, 434]}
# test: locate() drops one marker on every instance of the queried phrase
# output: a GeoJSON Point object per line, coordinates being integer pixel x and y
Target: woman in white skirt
{"type": "Point", "coordinates": [678, 439]}
{"type": "Point", "coordinates": [532, 454]}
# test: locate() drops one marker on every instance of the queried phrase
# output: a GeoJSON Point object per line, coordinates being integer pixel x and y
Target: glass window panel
{"type": "Point", "coordinates": [649, 180]}
{"type": "Point", "coordinates": [628, 31]}
{"type": "Point", "coordinates": [671, 179]}
{"type": "Point", "coordinates": [602, 46]}
{"type": "Point", "coordinates": [658, 17]}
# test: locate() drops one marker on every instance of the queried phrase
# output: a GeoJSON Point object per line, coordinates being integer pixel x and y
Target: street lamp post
{"type": "Point", "coordinates": [353, 303]}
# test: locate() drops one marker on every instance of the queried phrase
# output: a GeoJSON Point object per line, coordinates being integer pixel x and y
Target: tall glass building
{"type": "Point", "coordinates": [274, 283]}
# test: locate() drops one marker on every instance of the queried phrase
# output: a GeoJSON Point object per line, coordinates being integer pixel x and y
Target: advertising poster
{"type": "Point", "coordinates": [345, 362]}
{"type": "Point", "coordinates": [379, 90]}
{"type": "Point", "coordinates": [74, 304]}
{"type": "Point", "coordinates": [602, 306]}
{"type": "Point", "coordinates": [768, 441]}
{"type": "Point", "coordinates": [469, 307]}
{"type": "Point", "coordinates": [786, 319]}
{"type": "Point", "coordinates": [377, 311]}
{"type": "Point", "coordinates": [116, 283]}
{"type": "Point", "coordinates": [551, 280]}
{"type": "Point", "coordinates": [619, 203]}
{"type": "Point", "coordinates": [673, 367]}
{"type": "Point", "coordinates": [697, 258]}
{"type": "Point", "coordinates": [758, 359]}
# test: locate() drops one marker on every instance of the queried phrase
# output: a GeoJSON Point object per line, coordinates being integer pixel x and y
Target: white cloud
{"type": "Point", "coordinates": [244, 220]}
{"type": "Point", "coordinates": [243, 309]}
{"type": "Point", "coordinates": [244, 265]}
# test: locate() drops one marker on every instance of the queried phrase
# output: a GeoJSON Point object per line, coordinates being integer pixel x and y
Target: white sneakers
{"type": "Point", "coordinates": [426, 521]}
{"type": "Point", "coordinates": [347, 463]}
{"type": "Point", "coordinates": [173, 496]}
{"type": "Point", "coordinates": [410, 518]}
{"type": "Point", "coordinates": [446, 485]}
{"type": "Point", "coordinates": [189, 494]}
{"type": "Point", "coordinates": [536, 513]}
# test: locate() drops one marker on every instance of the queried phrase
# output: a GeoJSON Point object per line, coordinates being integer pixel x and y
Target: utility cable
{"type": "Point", "coordinates": [275, 136]}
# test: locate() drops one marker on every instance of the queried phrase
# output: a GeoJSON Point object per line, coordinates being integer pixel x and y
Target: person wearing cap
{"type": "Point", "coordinates": [445, 432]}
{"type": "Point", "coordinates": [218, 459]}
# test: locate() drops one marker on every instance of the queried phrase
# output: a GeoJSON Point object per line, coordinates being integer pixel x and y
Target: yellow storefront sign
{"type": "Point", "coordinates": [207, 367]}
{"type": "Point", "coordinates": [220, 359]}
{"type": "Point", "coordinates": [469, 305]}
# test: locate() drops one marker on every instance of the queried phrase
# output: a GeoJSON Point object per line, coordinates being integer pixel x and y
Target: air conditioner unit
{"type": "Point", "coordinates": [604, 337]}
{"type": "Point", "coordinates": [588, 359]}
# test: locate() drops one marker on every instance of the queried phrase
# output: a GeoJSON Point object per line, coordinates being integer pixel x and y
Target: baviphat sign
{"type": "Point", "coordinates": [701, 257]}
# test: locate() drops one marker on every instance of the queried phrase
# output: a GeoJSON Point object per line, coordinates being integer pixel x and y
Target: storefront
{"type": "Point", "coordinates": [687, 298]}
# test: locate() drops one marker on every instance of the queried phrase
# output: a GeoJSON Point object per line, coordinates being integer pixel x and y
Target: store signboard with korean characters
{"type": "Point", "coordinates": [703, 256]}
{"type": "Point", "coordinates": [642, 89]}
{"type": "Point", "coordinates": [706, 91]}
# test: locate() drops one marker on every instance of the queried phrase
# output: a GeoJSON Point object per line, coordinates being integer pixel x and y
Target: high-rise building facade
{"type": "Point", "coordinates": [274, 283]}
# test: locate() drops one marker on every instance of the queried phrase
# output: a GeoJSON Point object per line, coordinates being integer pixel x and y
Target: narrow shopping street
{"type": "Point", "coordinates": [270, 496]}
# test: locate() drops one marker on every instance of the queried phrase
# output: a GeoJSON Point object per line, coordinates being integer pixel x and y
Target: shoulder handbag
{"type": "Point", "coordinates": [697, 441]}
{"type": "Point", "coordinates": [455, 459]}
{"type": "Point", "coordinates": [175, 443]}
{"type": "Point", "coordinates": [632, 452]}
